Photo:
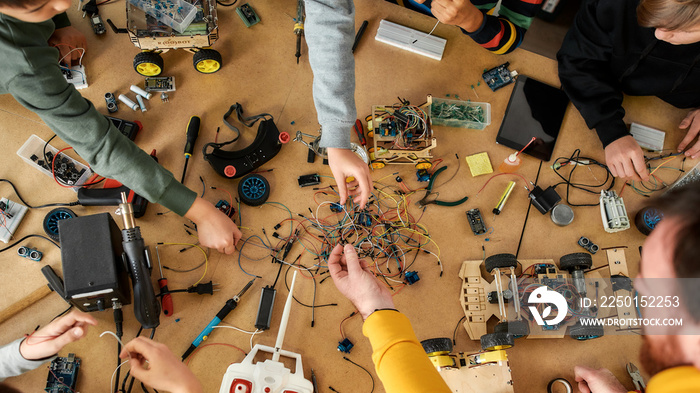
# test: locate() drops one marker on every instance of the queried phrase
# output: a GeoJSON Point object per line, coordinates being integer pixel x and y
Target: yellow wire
{"type": "Point", "coordinates": [206, 259]}
{"type": "Point", "coordinates": [662, 164]}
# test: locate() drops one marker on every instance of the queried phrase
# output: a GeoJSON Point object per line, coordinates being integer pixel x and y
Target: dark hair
{"type": "Point", "coordinates": [668, 14]}
{"type": "Point", "coordinates": [18, 4]}
{"type": "Point", "coordinates": [681, 204]}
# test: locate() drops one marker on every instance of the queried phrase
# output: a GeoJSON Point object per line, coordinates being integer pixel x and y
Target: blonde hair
{"type": "Point", "coordinates": [669, 14]}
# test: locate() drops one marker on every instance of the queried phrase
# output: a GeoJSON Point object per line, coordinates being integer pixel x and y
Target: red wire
{"type": "Point", "coordinates": [53, 171]}
{"type": "Point", "coordinates": [500, 174]}
{"type": "Point", "coordinates": [59, 381]}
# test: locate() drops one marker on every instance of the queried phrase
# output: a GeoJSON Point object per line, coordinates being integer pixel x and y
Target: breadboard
{"type": "Point", "coordinates": [410, 39]}
{"type": "Point", "coordinates": [76, 76]}
{"type": "Point", "coordinates": [10, 217]}
{"type": "Point", "coordinates": [647, 137]}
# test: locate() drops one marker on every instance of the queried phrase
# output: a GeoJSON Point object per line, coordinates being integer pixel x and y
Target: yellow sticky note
{"type": "Point", "coordinates": [479, 164]}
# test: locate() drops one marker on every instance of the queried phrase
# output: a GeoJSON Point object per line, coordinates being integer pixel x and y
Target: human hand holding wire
{"type": "Point", "coordinates": [625, 159]}
{"type": "Point", "coordinates": [460, 13]}
{"type": "Point", "coordinates": [691, 124]}
{"type": "Point", "coordinates": [356, 282]}
{"type": "Point", "coordinates": [71, 44]}
{"type": "Point", "coordinates": [215, 229]}
{"type": "Point", "coordinates": [344, 163]}
{"type": "Point", "coordinates": [50, 339]}
{"type": "Point", "coordinates": [155, 365]}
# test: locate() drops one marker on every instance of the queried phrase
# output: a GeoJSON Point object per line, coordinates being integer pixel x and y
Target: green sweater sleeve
{"type": "Point", "coordinates": [29, 71]}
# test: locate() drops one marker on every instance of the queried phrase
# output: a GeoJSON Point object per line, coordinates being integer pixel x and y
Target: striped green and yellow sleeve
{"type": "Point", "coordinates": [499, 34]}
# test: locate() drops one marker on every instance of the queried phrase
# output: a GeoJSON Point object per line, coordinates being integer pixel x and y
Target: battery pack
{"type": "Point", "coordinates": [267, 302]}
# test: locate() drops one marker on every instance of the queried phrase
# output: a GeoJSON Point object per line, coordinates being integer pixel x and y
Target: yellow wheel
{"type": "Point", "coordinates": [377, 165]}
{"type": "Point", "coordinates": [148, 63]}
{"type": "Point", "coordinates": [207, 61]}
{"type": "Point", "coordinates": [424, 165]}
{"type": "Point", "coordinates": [370, 134]}
{"type": "Point", "coordinates": [349, 179]}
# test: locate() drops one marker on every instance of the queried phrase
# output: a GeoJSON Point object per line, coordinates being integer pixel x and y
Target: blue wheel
{"type": "Point", "coordinates": [253, 190]}
{"type": "Point", "coordinates": [51, 221]}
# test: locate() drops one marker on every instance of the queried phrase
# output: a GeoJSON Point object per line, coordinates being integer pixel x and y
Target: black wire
{"type": "Point", "coordinates": [119, 362]}
{"type": "Point", "coordinates": [278, 272]}
{"type": "Point", "coordinates": [297, 300]}
{"type": "Point", "coordinates": [37, 207]}
{"type": "Point", "coordinates": [576, 157]}
{"type": "Point", "coordinates": [153, 333]}
{"type": "Point", "coordinates": [226, 5]}
{"type": "Point", "coordinates": [27, 237]}
{"type": "Point", "coordinates": [454, 334]}
{"type": "Point", "coordinates": [47, 145]}
{"type": "Point", "coordinates": [62, 313]}
{"type": "Point", "coordinates": [529, 206]}
{"type": "Point", "coordinates": [365, 370]}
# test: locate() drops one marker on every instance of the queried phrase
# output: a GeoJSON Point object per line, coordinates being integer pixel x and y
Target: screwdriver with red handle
{"type": "Point", "coordinates": [166, 300]}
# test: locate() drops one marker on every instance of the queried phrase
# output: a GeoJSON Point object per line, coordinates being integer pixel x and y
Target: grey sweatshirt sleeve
{"type": "Point", "coordinates": [330, 30]}
{"type": "Point", "coordinates": [13, 364]}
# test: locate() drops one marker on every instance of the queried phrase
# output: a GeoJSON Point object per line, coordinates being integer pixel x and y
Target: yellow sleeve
{"type": "Point", "coordinates": [683, 379]}
{"type": "Point", "coordinates": [398, 357]}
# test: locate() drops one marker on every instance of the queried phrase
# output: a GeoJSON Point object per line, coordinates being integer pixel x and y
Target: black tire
{"type": "Point", "coordinates": [441, 344]}
{"type": "Point", "coordinates": [583, 333]}
{"type": "Point", "coordinates": [253, 189]}
{"type": "Point", "coordinates": [53, 217]}
{"type": "Point", "coordinates": [148, 64]}
{"type": "Point", "coordinates": [500, 260]}
{"type": "Point", "coordinates": [496, 341]}
{"type": "Point", "coordinates": [207, 61]}
{"type": "Point", "coordinates": [576, 261]}
{"type": "Point", "coordinates": [515, 328]}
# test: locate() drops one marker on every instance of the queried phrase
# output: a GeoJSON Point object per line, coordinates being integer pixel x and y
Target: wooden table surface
{"type": "Point", "coordinates": [259, 71]}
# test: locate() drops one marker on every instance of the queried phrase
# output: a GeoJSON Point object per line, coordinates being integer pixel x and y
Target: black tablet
{"type": "Point", "coordinates": [535, 110]}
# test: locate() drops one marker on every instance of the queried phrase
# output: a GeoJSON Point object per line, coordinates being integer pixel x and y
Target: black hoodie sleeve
{"type": "Point", "coordinates": [585, 72]}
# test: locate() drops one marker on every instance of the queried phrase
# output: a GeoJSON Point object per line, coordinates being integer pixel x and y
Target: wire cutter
{"type": "Point", "coordinates": [637, 379]}
{"type": "Point", "coordinates": [429, 190]}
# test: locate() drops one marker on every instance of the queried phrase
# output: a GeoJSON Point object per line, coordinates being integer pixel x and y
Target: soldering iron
{"type": "Point", "coordinates": [225, 310]}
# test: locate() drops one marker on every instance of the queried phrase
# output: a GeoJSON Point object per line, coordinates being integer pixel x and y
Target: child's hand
{"type": "Point", "coordinates": [68, 39]}
{"type": "Point", "coordinates": [50, 339]}
{"type": "Point", "coordinates": [155, 365]}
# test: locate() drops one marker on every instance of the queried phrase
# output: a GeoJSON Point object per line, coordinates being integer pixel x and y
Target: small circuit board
{"type": "Point", "coordinates": [160, 83]}
{"type": "Point", "coordinates": [12, 214]}
{"type": "Point", "coordinates": [63, 374]}
{"type": "Point", "coordinates": [499, 76]}
{"type": "Point", "coordinates": [476, 221]}
{"type": "Point", "coordinates": [248, 15]}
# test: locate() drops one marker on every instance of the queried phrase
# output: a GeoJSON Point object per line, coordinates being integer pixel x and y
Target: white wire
{"type": "Point", "coordinates": [80, 61]}
{"type": "Point", "coordinates": [111, 380]}
{"type": "Point", "coordinates": [252, 336]}
{"type": "Point", "coordinates": [235, 328]}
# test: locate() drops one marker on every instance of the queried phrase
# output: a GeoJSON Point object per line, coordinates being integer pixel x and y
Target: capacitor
{"type": "Point", "coordinates": [502, 202]}
{"type": "Point", "coordinates": [128, 102]}
{"type": "Point", "coordinates": [143, 93]}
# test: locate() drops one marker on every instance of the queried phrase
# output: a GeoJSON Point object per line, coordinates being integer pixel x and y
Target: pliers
{"type": "Point", "coordinates": [637, 379]}
{"type": "Point", "coordinates": [429, 190]}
